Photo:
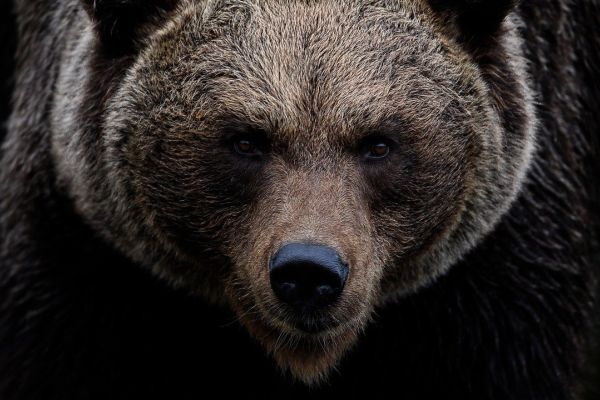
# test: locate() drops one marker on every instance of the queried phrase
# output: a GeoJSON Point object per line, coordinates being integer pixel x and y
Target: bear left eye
{"type": "Point", "coordinates": [246, 147]}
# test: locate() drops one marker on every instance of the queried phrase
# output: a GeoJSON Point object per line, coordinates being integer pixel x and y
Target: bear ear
{"type": "Point", "coordinates": [117, 22]}
{"type": "Point", "coordinates": [475, 18]}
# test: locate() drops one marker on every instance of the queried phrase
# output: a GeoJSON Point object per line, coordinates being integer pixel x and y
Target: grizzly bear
{"type": "Point", "coordinates": [300, 199]}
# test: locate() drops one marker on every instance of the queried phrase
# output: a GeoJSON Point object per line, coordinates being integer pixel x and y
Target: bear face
{"type": "Point", "coordinates": [239, 128]}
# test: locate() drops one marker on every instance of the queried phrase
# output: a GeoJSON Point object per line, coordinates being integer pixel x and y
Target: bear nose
{"type": "Point", "coordinates": [307, 276]}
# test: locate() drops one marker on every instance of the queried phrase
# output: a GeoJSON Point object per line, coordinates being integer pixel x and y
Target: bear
{"type": "Point", "coordinates": [305, 198]}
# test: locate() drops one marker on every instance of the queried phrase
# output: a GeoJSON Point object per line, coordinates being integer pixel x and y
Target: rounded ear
{"type": "Point", "coordinates": [475, 18]}
{"type": "Point", "coordinates": [118, 21]}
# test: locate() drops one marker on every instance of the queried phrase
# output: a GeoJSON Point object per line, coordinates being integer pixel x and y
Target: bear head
{"type": "Point", "coordinates": [302, 162]}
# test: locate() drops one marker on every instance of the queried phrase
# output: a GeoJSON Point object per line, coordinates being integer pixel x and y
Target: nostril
{"type": "Point", "coordinates": [307, 276]}
{"type": "Point", "coordinates": [287, 290]}
{"type": "Point", "coordinates": [325, 290]}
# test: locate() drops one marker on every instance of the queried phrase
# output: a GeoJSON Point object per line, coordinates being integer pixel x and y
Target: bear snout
{"type": "Point", "coordinates": [307, 277]}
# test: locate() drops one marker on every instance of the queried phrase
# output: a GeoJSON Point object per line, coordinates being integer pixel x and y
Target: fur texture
{"type": "Point", "coordinates": [470, 247]}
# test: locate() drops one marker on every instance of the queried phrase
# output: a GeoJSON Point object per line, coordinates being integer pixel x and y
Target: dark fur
{"type": "Point", "coordinates": [512, 320]}
{"type": "Point", "coordinates": [475, 17]}
{"type": "Point", "coordinates": [118, 21]}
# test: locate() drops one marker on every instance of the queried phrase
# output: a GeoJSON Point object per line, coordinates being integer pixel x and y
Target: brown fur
{"type": "Point", "coordinates": [314, 78]}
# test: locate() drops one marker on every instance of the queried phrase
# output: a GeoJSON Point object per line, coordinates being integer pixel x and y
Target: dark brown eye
{"type": "Point", "coordinates": [376, 148]}
{"type": "Point", "coordinates": [246, 147]}
{"type": "Point", "coordinates": [379, 150]}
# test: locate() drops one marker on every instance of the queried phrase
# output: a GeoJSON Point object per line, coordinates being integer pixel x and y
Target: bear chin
{"type": "Point", "coordinates": [308, 358]}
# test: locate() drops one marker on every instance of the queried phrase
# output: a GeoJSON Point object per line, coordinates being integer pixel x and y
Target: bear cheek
{"type": "Point", "coordinates": [184, 183]}
{"type": "Point", "coordinates": [416, 207]}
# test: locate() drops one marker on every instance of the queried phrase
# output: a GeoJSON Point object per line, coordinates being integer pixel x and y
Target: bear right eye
{"type": "Point", "coordinates": [376, 148]}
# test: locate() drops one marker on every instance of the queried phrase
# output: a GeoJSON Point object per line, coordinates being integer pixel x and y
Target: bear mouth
{"type": "Point", "coordinates": [306, 322]}
{"type": "Point", "coordinates": [301, 325]}
{"type": "Point", "coordinates": [275, 320]}
{"type": "Point", "coordinates": [314, 326]}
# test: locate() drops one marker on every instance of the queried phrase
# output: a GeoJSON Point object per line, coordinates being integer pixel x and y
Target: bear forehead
{"type": "Point", "coordinates": [299, 66]}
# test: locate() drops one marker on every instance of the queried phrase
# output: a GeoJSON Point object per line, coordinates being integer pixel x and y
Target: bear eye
{"type": "Point", "coordinates": [376, 148]}
{"type": "Point", "coordinates": [249, 144]}
{"type": "Point", "coordinates": [246, 147]}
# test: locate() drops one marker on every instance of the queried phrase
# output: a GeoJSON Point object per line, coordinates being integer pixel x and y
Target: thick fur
{"type": "Point", "coordinates": [123, 214]}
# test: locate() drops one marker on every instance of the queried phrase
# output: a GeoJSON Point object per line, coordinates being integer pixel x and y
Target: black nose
{"type": "Point", "coordinates": [307, 276]}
